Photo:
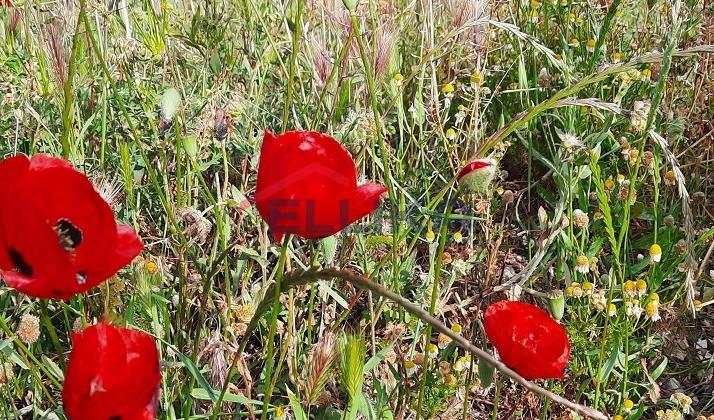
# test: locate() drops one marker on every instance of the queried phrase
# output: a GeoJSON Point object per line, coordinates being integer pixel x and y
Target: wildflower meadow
{"type": "Point", "coordinates": [356, 209]}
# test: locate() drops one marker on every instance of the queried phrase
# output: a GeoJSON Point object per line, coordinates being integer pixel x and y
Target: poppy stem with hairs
{"type": "Point", "coordinates": [268, 371]}
{"type": "Point", "coordinates": [299, 277]}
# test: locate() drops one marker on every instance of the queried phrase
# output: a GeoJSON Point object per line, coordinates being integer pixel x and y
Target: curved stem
{"type": "Point", "coordinates": [299, 277]}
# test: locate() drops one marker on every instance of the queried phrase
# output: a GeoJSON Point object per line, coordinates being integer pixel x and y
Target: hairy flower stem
{"type": "Point", "coordinates": [297, 34]}
{"type": "Point", "coordinates": [434, 296]}
{"type": "Point", "coordinates": [268, 372]}
{"type": "Point", "coordinates": [67, 119]}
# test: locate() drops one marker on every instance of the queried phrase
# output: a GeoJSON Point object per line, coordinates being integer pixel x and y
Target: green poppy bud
{"type": "Point", "coordinates": [557, 304]}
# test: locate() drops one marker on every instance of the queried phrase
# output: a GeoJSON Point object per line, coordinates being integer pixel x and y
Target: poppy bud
{"type": "Point", "coordinates": [557, 304]}
{"type": "Point", "coordinates": [477, 176]}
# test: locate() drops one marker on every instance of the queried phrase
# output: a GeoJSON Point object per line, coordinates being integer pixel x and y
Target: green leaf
{"type": "Point", "coordinates": [196, 373]}
{"type": "Point", "coordinates": [612, 360]}
{"type": "Point", "coordinates": [297, 408]}
{"type": "Point", "coordinates": [203, 394]}
{"type": "Point", "coordinates": [53, 368]}
{"type": "Point", "coordinates": [485, 373]}
{"type": "Point", "coordinates": [374, 360]}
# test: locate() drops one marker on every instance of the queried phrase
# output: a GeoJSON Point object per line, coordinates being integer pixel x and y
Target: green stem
{"type": "Point", "coordinates": [273, 324]}
{"type": "Point", "coordinates": [434, 296]}
{"type": "Point", "coordinates": [69, 87]}
{"type": "Point", "coordinates": [44, 315]}
{"type": "Point", "coordinates": [297, 34]}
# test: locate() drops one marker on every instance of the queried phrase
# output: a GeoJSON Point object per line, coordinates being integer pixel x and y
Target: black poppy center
{"type": "Point", "coordinates": [21, 266]}
{"type": "Point", "coordinates": [70, 237]}
{"type": "Point", "coordinates": [115, 418]}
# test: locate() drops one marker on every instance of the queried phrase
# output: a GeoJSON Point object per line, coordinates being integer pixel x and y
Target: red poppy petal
{"type": "Point", "coordinates": [528, 340]}
{"type": "Point", "coordinates": [13, 168]}
{"type": "Point", "coordinates": [33, 260]}
{"type": "Point", "coordinates": [126, 247]}
{"type": "Point", "coordinates": [307, 185]}
{"type": "Point", "coordinates": [366, 200]}
{"type": "Point", "coordinates": [111, 372]}
{"type": "Point", "coordinates": [473, 166]}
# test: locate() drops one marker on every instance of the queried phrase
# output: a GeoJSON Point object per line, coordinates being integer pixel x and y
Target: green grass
{"type": "Point", "coordinates": [173, 117]}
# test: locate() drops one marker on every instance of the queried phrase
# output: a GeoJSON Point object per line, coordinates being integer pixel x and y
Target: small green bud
{"type": "Point", "coordinates": [557, 304]}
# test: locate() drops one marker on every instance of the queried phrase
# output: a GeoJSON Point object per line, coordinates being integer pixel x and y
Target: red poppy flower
{"type": "Point", "coordinates": [112, 373]}
{"type": "Point", "coordinates": [476, 177]}
{"type": "Point", "coordinates": [528, 340]}
{"type": "Point", "coordinates": [58, 237]}
{"type": "Point", "coordinates": [307, 185]}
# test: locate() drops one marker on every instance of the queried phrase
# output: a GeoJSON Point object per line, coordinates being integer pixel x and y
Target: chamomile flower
{"type": "Point", "coordinates": [151, 267]}
{"type": "Point", "coordinates": [571, 142]}
{"type": "Point", "coordinates": [535, 4]}
{"type": "Point", "coordinates": [533, 16]}
{"type": "Point", "coordinates": [588, 288]}
{"type": "Point", "coordinates": [641, 287]}
{"type": "Point", "coordinates": [655, 253]}
{"type": "Point", "coordinates": [457, 237]}
{"type": "Point", "coordinates": [279, 413]}
{"type": "Point", "coordinates": [451, 134]}
{"type": "Point", "coordinates": [410, 366]}
{"type": "Point", "coordinates": [630, 288]}
{"type": "Point", "coordinates": [430, 236]}
{"type": "Point", "coordinates": [670, 178]}
{"type": "Point", "coordinates": [683, 401]}
{"type": "Point", "coordinates": [616, 57]}
{"type": "Point", "coordinates": [432, 350]}
{"type": "Point", "coordinates": [611, 309]}
{"type": "Point", "coordinates": [633, 309]}
{"type": "Point", "coordinates": [448, 90]}
{"type": "Point", "coordinates": [620, 178]}
{"type": "Point", "coordinates": [476, 79]}
{"type": "Point", "coordinates": [646, 74]}
{"type": "Point", "coordinates": [571, 17]}
{"type": "Point", "coordinates": [582, 264]}
{"type": "Point", "coordinates": [574, 43]}
{"type": "Point", "coordinates": [580, 218]}
{"type": "Point", "coordinates": [590, 45]}
{"type": "Point", "coordinates": [398, 79]}
{"type": "Point", "coordinates": [609, 184]}
{"type": "Point", "coordinates": [652, 310]}
{"type": "Point", "coordinates": [462, 363]}
{"type": "Point", "coordinates": [444, 341]}
{"type": "Point", "coordinates": [628, 405]}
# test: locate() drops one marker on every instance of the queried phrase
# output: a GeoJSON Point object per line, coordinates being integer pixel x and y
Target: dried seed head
{"type": "Point", "coordinates": [6, 373]}
{"type": "Point", "coordinates": [29, 329]}
{"type": "Point", "coordinates": [197, 226]}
